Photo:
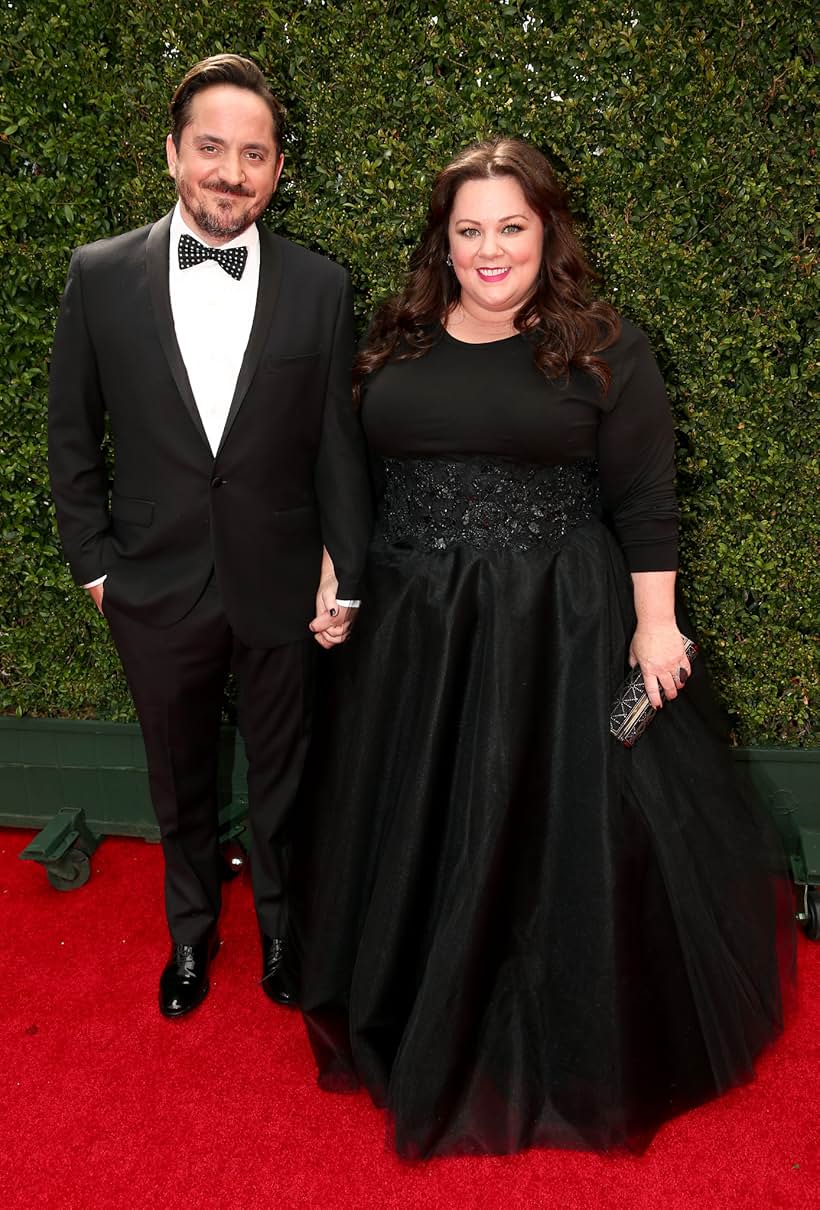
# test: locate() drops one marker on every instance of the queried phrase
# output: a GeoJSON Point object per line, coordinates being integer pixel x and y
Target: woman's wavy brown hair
{"type": "Point", "coordinates": [568, 326]}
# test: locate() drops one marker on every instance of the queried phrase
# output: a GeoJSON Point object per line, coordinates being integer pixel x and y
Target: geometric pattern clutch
{"type": "Point", "coordinates": [632, 712]}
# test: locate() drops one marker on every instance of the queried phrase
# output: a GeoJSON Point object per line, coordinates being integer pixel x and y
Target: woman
{"type": "Point", "coordinates": [516, 931]}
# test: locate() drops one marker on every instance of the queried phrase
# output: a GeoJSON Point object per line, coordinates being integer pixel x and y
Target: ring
{"type": "Point", "coordinates": [683, 675]}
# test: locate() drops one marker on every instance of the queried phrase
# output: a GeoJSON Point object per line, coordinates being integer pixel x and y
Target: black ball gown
{"type": "Point", "coordinates": [514, 931]}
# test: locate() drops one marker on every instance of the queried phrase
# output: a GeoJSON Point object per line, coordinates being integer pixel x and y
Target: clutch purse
{"type": "Point", "coordinates": [632, 712]}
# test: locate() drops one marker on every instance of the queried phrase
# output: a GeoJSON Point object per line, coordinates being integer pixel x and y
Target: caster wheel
{"type": "Point", "coordinates": [812, 922]}
{"type": "Point", "coordinates": [81, 845]}
{"type": "Point", "coordinates": [73, 870]}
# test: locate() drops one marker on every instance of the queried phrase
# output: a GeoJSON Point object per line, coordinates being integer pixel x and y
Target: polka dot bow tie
{"type": "Point", "coordinates": [192, 252]}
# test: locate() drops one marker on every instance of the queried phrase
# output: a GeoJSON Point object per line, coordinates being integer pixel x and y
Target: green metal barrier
{"type": "Point", "coordinates": [54, 766]}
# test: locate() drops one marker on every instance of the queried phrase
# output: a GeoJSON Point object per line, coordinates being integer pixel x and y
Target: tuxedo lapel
{"type": "Point", "coordinates": [270, 281]}
{"type": "Point", "coordinates": [156, 253]}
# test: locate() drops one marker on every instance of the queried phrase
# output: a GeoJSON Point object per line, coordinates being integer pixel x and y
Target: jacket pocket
{"type": "Point", "coordinates": [295, 361]}
{"type": "Point", "coordinates": [131, 510]}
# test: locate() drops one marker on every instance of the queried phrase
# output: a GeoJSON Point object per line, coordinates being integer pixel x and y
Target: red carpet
{"type": "Point", "coordinates": [107, 1105]}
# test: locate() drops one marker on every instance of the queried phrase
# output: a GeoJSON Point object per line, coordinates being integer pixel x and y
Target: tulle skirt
{"type": "Point", "coordinates": [513, 931]}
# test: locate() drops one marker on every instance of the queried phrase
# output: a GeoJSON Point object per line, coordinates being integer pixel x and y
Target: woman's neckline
{"type": "Point", "coordinates": [480, 344]}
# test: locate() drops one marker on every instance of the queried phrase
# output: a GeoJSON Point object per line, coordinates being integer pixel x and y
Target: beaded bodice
{"type": "Point", "coordinates": [487, 502]}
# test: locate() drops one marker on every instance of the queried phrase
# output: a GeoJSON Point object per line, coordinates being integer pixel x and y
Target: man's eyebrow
{"type": "Point", "coordinates": [214, 138]}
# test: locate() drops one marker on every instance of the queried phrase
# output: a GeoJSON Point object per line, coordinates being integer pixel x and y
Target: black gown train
{"type": "Point", "coordinates": [514, 931]}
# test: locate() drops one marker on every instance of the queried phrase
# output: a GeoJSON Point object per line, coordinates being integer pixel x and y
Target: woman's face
{"type": "Point", "coordinates": [496, 241]}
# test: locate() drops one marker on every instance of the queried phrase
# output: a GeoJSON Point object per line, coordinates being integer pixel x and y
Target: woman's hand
{"type": "Point", "coordinates": [659, 651]}
{"type": "Point", "coordinates": [657, 644]}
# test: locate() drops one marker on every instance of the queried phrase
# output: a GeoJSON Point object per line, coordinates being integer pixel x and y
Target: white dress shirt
{"type": "Point", "coordinates": [213, 314]}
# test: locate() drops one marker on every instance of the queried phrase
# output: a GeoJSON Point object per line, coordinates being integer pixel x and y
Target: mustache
{"type": "Point", "coordinates": [220, 186]}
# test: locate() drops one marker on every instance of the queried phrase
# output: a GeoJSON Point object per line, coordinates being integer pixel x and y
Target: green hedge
{"type": "Point", "coordinates": [682, 130]}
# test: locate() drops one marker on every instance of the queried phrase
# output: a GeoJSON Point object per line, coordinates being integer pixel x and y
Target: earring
{"type": "Point", "coordinates": [449, 261]}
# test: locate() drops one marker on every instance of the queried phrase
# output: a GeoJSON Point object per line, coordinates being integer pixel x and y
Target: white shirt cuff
{"type": "Point", "coordinates": [102, 579]}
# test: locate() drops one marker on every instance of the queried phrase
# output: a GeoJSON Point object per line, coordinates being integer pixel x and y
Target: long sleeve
{"type": "Point", "coordinates": [636, 459]}
{"type": "Point", "coordinates": [342, 479]}
{"type": "Point", "coordinates": [76, 426]}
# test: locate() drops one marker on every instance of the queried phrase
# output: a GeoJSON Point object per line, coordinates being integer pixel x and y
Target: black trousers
{"type": "Point", "coordinates": [177, 677]}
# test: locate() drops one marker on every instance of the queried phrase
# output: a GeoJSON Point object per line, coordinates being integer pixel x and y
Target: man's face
{"type": "Point", "coordinates": [227, 167]}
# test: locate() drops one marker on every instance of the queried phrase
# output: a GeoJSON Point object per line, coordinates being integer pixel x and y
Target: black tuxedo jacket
{"type": "Point", "coordinates": [290, 473]}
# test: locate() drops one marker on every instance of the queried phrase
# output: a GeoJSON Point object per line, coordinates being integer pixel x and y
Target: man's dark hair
{"type": "Point", "coordinates": [223, 69]}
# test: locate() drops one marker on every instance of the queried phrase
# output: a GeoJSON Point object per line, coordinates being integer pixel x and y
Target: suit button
{"type": "Point", "coordinates": [218, 482]}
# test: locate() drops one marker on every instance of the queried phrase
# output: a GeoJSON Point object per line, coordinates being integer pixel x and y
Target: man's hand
{"type": "Point", "coordinates": [333, 621]}
{"type": "Point", "coordinates": [96, 594]}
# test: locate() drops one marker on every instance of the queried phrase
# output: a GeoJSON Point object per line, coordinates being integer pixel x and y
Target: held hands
{"type": "Point", "coordinates": [333, 621]}
{"type": "Point", "coordinates": [659, 651]}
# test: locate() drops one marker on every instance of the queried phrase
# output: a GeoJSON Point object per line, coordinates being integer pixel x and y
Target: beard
{"type": "Point", "coordinates": [220, 220]}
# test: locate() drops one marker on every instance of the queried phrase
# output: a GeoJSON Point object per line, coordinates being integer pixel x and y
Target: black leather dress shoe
{"type": "Point", "coordinates": [277, 980]}
{"type": "Point", "coordinates": [184, 983]}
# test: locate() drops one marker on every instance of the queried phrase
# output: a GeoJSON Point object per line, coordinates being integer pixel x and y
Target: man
{"type": "Point", "coordinates": [219, 356]}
